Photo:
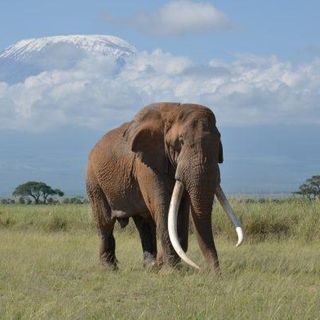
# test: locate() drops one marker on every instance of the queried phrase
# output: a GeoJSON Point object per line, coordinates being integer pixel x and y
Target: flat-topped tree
{"type": "Point", "coordinates": [310, 188]}
{"type": "Point", "coordinates": [37, 191]}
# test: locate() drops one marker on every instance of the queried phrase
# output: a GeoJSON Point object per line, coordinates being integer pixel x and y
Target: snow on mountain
{"type": "Point", "coordinates": [104, 44]}
{"type": "Point", "coordinates": [33, 56]}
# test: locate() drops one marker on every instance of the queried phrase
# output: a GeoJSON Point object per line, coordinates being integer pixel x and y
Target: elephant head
{"type": "Point", "coordinates": [182, 142]}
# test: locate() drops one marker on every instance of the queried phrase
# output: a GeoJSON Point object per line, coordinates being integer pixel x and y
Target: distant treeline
{"type": "Point", "coordinates": [50, 201]}
{"type": "Point", "coordinates": [83, 200]}
{"type": "Point", "coordinates": [38, 192]}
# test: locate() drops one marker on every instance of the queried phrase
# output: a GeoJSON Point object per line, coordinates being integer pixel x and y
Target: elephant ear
{"type": "Point", "coordinates": [147, 141]}
{"type": "Point", "coordinates": [220, 152]}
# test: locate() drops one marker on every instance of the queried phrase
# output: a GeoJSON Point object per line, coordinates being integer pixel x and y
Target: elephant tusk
{"type": "Point", "coordinates": [172, 223]}
{"type": "Point", "coordinates": [228, 209]}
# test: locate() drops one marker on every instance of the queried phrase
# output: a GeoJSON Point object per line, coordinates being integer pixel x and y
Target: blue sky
{"type": "Point", "coordinates": [257, 64]}
{"type": "Point", "coordinates": [289, 29]}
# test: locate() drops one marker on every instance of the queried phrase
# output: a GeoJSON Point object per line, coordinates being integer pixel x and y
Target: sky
{"type": "Point", "coordinates": [256, 64]}
{"type": "Point", "coordinates": [286, 28]}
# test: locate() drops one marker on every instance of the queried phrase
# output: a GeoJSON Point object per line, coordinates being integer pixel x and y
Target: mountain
{"type": "Point", "coordinates": [106, 45]}
{"type": "Point", "coordinates": [57, 156]}
{"type": "Point", "coordinates": [32, 56]}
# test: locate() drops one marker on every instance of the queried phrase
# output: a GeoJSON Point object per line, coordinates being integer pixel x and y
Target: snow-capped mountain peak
{"type": "Point", "coordinates": [32, 56]}
{"type": "Point", "coordinates": [104, 44]}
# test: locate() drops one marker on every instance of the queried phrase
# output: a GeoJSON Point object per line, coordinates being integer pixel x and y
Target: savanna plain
{"type": "Point", "coordinates": [49, 267]}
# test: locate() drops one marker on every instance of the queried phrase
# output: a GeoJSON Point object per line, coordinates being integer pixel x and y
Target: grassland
{"type": "Point", "coordinates": [49, 268]}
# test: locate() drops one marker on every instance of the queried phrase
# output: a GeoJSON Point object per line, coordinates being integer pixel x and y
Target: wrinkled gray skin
{"type": "Point", "coordinates": [132, 171]}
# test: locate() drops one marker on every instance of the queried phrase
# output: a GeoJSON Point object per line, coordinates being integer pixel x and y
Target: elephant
{"type": "Point", "coordinates": [159, 169]}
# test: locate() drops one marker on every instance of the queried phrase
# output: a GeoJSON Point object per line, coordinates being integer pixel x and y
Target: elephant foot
{"type": "Point", "coordinates": [172, 261]}
{"type": "Point", "coordinates": [149, 261]}
{"type": "Point", "coordinates": [109, 262]}
{"type": "Point", "coordinates": [109, 266]}
{"type": "Point", "coordinates": [160, 259]}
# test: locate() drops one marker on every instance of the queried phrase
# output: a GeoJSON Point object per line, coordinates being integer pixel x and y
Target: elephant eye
{"type": "Point", "coordinates": [205, 125]}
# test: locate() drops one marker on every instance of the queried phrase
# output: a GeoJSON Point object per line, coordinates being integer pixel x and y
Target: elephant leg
{"type": "Point", "coordinates": [107, 248]}
{"type": "Point", "coordinates": [147, 232]}
{"type": "Point", "coordinates": [156, 191]}
{"type": "Point", "coordinates": [168, 254]}
{"type": "Point", "coordinates": [102, 215]}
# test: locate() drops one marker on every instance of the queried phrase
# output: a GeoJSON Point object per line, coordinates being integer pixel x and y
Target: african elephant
{"type": "Point", "coordinates": [170, 151]}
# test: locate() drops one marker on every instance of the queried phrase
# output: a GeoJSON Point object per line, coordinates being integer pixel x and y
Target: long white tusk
{"type": "Point", "coordinates": [228, 209]}
{"type": "Point", "coordinates": [172, 223]}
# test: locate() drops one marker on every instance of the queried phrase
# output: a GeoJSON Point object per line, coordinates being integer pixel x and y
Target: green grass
{"type": "Point", "coordinates": [292, 218]}
{"type": "Point", "coordinates": [49, 268]}
{"type": "Point", "coordinates": [46, 217]}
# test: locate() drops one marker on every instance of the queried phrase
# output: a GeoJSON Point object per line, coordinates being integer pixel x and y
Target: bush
{"type": "Point", "coordinates": [66, 201]}
{"type": "Point", "coordinates": [75, 200]}
{"type": "Point", "coordinates": [8, 201]}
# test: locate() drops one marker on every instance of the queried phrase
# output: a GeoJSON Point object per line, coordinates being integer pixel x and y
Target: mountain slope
{"type": "Point", "coordinates": [104, 44]}
{"type": "Point", "coordinates": [32, 56]}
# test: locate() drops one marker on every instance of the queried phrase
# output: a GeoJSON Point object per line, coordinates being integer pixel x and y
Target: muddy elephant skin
{"type": "Point", "coordinates": [132, 171]}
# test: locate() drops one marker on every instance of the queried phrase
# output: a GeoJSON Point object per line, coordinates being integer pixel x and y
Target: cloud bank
{"type": "Point", "coordinates": [178, 17]}
{"type": "Point", "coordinates": [98, 92]}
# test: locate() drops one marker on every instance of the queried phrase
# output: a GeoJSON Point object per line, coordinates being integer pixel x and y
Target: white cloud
{"type": "Point", "coordinates": [97, 92]}
{"type": "Point", "coordinates": [179, 17]}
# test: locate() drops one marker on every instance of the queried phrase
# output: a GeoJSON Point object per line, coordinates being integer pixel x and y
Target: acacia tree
{"type": "Point", "coordinates": [48, 191]}
{"type": "Point", "coordinates": [36, 190]}
{"type": "Point", "coordinates": [310, 188]}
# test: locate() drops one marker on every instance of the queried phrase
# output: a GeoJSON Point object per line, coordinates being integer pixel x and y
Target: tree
{"type": "Point", "coordinates": [22, 200]}
{"type": "Point", "coordinates": [310, 188]}
{"type": "Point", "coordinates": [48, 191]}
{"type": "Point", "coordinates": [36, 190]}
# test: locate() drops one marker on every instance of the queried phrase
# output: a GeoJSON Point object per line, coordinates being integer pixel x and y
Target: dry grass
{"type": "Point", "coordinates": [49, 268]}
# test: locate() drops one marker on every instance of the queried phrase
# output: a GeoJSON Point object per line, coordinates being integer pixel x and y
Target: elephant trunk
{"type": "Point", "coordinates": [201, 189]}
{"type": "Point", "coordinates": [173, 215]}
{"type": "Point", "coordinates": [200, 184]}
